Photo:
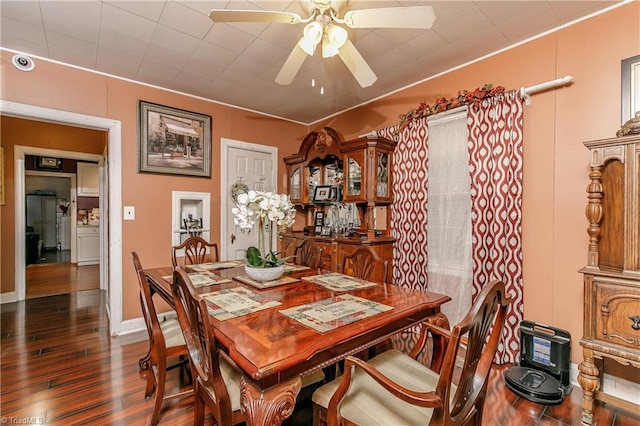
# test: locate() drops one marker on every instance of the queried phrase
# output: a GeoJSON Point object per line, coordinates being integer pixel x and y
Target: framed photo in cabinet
{"type": "Point", "coordinates": [173, 141]}
{"type": "Point", "coordinates": [318, 223]}
{"type": "Point", "coordinates": [322, 193]}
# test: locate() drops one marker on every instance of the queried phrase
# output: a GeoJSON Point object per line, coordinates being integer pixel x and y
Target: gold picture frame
{"type": "Point", "coordinates": [173, 141]}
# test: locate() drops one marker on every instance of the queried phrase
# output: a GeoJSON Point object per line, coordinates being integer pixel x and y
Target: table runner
{"type": "Point", "coordinates": [236, 302]}
{"type": "Point", "coordinates": [329, 314]}
{"type": "Point", "coordinates": [203, 267]}
{"type": "Point", "coordinates": [292, 267]}
{"type": "Point", "coordinates": [339, 282]}
{"type": "Point", "coordinates": [201, 279]}
{"type": "Point", "coordinates": [266, 284]}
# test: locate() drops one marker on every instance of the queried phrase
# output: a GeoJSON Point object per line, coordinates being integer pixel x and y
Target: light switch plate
{"type": "Point", "coordinates": [129, 213]}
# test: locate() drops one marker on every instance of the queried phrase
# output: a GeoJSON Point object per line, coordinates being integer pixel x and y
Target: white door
{"type": "Point", "coordinates": [249, 166]}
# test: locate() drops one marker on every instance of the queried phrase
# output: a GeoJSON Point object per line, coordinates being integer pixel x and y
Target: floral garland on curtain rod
{"type": "Point", "coordinates": [442, 104]}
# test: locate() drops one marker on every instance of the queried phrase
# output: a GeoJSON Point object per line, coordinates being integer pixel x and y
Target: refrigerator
{"type": "Point", "coordinates": [41, 218]}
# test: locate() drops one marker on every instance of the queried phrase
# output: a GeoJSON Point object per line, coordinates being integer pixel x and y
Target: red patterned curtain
{"type": "Point", "coordinates": [495, 151]}
{"type": "Point", "coordinates": [409, 210]}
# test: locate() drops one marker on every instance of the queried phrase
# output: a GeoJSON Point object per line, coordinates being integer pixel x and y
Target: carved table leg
{"type": "Point", "coordinates": [270, 406]}
{"type": "Point", "coordinates": [589, 381]}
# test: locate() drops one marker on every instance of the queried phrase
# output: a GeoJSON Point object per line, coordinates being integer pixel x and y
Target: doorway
{"type": "Point", "coordinates": [49, 270]}
{"type": "Point", "coordinates": [244, 166]}
{"type": "Point", "coordinates": [51, 243]}
{"type": "Point", "coordinates": [48, 208]}
{"type": "Point", "coordinates": [111, 267]}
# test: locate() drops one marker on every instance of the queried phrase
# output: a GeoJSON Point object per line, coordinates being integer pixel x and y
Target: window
{"type": "Point", "coordinates": [449, 212]}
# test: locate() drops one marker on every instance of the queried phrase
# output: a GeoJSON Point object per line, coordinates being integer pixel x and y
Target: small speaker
{"type": "Point", "coordinates": [23, 62]}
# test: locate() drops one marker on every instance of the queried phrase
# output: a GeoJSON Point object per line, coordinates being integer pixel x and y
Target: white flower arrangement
{"type": "Point", "coordinates": [255, 205]}
{"type": "Point", "coordinates": [259, 206]}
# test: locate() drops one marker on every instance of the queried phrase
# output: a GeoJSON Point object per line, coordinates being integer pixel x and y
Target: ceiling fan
{"type": "Point", "coordinates": [324, 26]}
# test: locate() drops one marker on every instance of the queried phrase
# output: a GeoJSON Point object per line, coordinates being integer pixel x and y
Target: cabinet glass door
{"type": "Point", "coordinates": [315, 176]}
{"type": "Point", "coordinates": [382, 175]}
{"type": "Point", "coordinates": [295, 185]}
{"type": "Point", "coordinates": [354, 178]}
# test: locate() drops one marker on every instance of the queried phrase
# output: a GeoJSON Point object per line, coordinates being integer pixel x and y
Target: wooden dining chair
{"type": "Point", "coordinates": [308, 253]}
{"type": "Point", "coordinates": [216, 383]}
{"type": "Point", "coordinates": [196, 250]}
{"type": "Point", "coordinates": [364, 263]}
{"type": "Point", "coordinates": [394, 388]}
{"type": "Point", "coordinates": [165, 342]}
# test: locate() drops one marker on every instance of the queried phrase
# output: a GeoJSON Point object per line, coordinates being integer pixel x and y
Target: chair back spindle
{"type": "Point", "coordinates": [214, 379]}
{"type": "Point", "coordinates": [363, 262]}
{"type": "Point", "coordinates": [196, 250]}
{"type": "Point", "coordinates": [309, 254]}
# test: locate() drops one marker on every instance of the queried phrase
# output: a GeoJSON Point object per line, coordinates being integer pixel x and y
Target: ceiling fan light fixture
{"type": "Point", "coordinates": [311, 38]}
{"type": "Point", "coordinates": [334, 38]}
{"type": "Point", "coordinates": [328, 49]}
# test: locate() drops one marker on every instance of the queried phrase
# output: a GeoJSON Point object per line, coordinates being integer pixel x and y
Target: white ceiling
{"type": "Point", "coordinates": [173, 44]}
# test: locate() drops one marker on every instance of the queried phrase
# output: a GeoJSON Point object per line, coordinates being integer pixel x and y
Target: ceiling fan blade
{"type": "Point", "coordinates": [227, 15]}
{"type": "Point", "coordinates": [356, 64]}
{"type": "Point", "coordinates": [291, 66]}
{"type": "Point", "coordinates": [421, 17]}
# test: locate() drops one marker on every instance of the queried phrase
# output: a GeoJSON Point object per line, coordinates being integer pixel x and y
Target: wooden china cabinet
{"type": "Point", "coordinates": [328, 172]}
{"type": "Point", "coordinates": [612, 274]}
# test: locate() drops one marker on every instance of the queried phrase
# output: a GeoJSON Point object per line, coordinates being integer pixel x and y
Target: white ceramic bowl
{"type": "Point", "coordinates": [264, 274]}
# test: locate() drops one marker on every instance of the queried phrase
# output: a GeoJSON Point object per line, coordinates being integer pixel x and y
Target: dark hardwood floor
{"type": "Point", "coordinates": [60, 367]}
{"type": "Point", "coordinates": [59, 277]}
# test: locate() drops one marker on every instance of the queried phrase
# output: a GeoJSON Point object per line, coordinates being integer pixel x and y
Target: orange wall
{"type": "Point", "coordinates": [53, 86]}
{"type": "Point", "coordinates": [556, 161]}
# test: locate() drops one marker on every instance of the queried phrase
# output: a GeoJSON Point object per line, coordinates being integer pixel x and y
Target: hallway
{"type": "Point", "coordinates": [54, 256]}
{"type": "Point", "coordinates": [49, 279]}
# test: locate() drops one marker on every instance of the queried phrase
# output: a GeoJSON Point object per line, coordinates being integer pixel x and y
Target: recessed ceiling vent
{"type": "Point", "coordinates": [23, 62]}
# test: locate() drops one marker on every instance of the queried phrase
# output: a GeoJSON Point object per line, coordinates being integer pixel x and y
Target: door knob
{"type": "Point", "coordinates": [233, 238]}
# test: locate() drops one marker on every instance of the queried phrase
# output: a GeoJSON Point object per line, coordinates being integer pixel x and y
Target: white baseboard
{"type": "Point", "coordinates": [9, 297]}
{"type": "Point", "coordinates": [612, 385]}
{"type": "Point", "coordinates": [137, 324]}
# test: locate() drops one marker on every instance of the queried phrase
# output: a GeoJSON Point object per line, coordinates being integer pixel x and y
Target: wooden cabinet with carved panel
{"type": "Point", "coordinates": [356, 174]}
{"type": "Point", "coordinates": [612, 274]}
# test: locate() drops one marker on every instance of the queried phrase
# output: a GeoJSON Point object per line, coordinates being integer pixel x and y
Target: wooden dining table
{"type": "Point", "coordinates": [274, 351]}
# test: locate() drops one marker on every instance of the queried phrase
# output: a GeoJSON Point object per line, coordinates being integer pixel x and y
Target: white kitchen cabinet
{"type": "Point", "coordinates": [88, 245]}
{"type": "Point", "coordinates": [88, 180]}
{"type": "Point", "coordinates": [64, 232]}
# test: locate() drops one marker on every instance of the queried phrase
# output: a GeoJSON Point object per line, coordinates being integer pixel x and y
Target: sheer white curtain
{"type": "Point", "coordinates": [450, 267]}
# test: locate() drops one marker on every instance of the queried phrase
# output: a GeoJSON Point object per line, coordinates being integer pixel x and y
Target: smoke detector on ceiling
{"type": "Point", "coordinates": [23, 62]}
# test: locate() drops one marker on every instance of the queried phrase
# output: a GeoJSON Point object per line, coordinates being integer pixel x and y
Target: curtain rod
{"type": "Point", "coordinates": [525, 92]}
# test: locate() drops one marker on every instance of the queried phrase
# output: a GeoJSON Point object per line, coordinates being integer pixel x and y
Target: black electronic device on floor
{"type": "Point", "coordinates": [545, 357]}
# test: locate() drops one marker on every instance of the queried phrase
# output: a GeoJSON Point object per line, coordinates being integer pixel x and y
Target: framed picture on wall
{"type": "Point", "coordinates": [173, 141]}
{"type": "Point", "coordinates": [630, 87]}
